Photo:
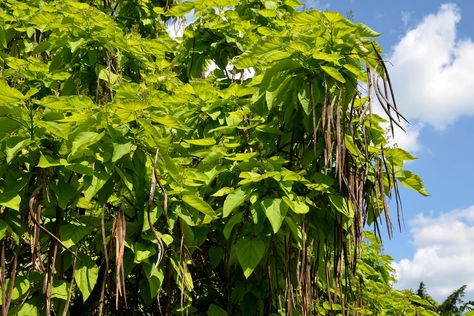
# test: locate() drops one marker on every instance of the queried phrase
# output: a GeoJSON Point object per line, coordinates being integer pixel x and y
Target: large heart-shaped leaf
{"type": "Point", "coordinates": [249, 252]}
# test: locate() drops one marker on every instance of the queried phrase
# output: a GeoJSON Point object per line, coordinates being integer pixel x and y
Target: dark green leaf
{"type": "Point", "coordinates": [234, 220]}
{"type": "Point", "coordinates": [249, 252]}
{"type": "Point", "coordinates": [215, 310]}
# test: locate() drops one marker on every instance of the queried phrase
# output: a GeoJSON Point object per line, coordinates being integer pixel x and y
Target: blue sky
{"type": "Point", "coordinates": [430, 46]}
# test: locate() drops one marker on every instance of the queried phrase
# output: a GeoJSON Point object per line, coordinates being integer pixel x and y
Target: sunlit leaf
{"type": "Point", "coordinates": [9, 95]}
{"type": "Point", "coordinates": [333, 72]}
{"type": "Point", "coordinates": [412, 181]}
{"type": "Point", "coordinates": [275, 210]}
{"type": "Point", "coordinates": [234, 200]}
{"type": "Point", "coordinates": [86, 274]}
{"type": "Point", "coordinates": [198, 204]}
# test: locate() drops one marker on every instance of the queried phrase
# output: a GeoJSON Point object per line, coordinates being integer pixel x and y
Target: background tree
{"type": "Point", "coordinates": [134, 181]}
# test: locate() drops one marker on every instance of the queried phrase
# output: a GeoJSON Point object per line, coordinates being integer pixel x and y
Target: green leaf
{"type": "Point", "coordinates": [20, 288]}
{"type": "Point", "coordinates": [203, 4]}
{"type": "Point", "coordinates": [234, 220]}
{"type": "Point", "coordinates": [201, 142]}
{"type": "Point", "coordinates": [249, 252]}
{"type": "Point", "coordinates": [81, 168]}
{"type": "Point", "coordinates": [332, 58]}
{"type": "Point", "coordinates": [154, 276]}
{"type": "Point", "coordinates": [297, 206]}
{"type": "Point", "coordinates": [234, 200]}
{"type": "Point", "coordinates": [55, 128]}
{"type": "Point", "coordinates": [365, 31]}
{"type": "Point", "coordinates": [82, 141]}
{"type": "Point", "coordinates": [3, 228]}
{"type": "Point", "coordinates": [76, 44]}
{"type": "Point", "coordinates": [16, 226]}
{"type": "Point", "coordinates": [15, 144]}
{"type": "Point", "coordinates": [64, 103]}
{"type": "Point", "coordinates": [10, 199]}
{"type": "Point", "coordinates": [97, 181]}
{"type": "Point", "coordinates": [333, 72]}
{"type": "Point", "coordinates": [3, 38]}
{"type": "Point", "coordinates": [9, 95]}
{"type": "Point", "coordinates": [47, 161]}
{"type": "Point", "coordinates": [223, 191]}
{"type": "Point", "coordinates": [121, 150]}
{"type": "Point", "coordinates": [304, 98]}
{"type": "Point", "coordinates": [60, 289]}
{"type": "Point", "coordinates": [72, 233]}
{"type": "Point", "coordinates": [341, 205]}
{"type": "Point", "coordinates": [242, 156]}
{"type": "Point", "coordinates": [85, 274]}
{"type": "Point", "coordinates": [7, 125]}
{"type": "Point", "coordinates": [216, 254]}
{"type": "Point", "coordinates": [411, 181]}
{"type": "Point", "coordinates": [142, 251]}
{"type": "Point", "coordinates": [169, 121]}
{"type": "Point", "coordinates": [28, 309]}
{"type": "Point", "coordinates": [181, 9]}
{"type": "Point", "coordinates": [398, 156]}
{"type": "Point", "coordinates": [275, 210]}
{"type": "Point", "coordinates": [199, 204]}
{"type": "Point", "coordinates": [215, 310]}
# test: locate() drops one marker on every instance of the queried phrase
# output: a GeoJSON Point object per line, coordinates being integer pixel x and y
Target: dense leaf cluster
{"type": "Point", "coordinates": [231, 170]}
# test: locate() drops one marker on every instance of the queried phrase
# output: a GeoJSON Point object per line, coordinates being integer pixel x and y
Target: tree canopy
{"type": "Point", "coordinates": [141, 173]}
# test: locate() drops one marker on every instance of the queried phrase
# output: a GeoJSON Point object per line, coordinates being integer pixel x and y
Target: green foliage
{"type": "Point", "coordinates": [454, 304]}
{"type": "Point", "coordinates": [374, 280]}
{"type": "Point", "coordinates": [130, 176]}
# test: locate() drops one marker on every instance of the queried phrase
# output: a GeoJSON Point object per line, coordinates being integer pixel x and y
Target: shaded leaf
{"type": "Point", "coordinates": [341, 205]}
{"type": "Point", "coordinates": [234, 220]}
{"type": "Point", "coordinates": [249, 252]}
{"type": "Point", "coordinates": [215, 310]}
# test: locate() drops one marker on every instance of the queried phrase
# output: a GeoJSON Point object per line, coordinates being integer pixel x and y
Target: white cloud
{"type": "Point", "coordinates": [444, 254]}
{"type": "Point", "coordinates": [432, 70]}
{"type": "Point", "coordinates": [406, 17]}
{"type": "Point", "coordinates": [407, 139]}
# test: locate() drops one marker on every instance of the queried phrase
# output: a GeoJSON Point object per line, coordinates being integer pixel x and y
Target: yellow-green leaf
{"type": "Point", "coordinates": [199, 204]}
{"type": "Point", "coordinates": [86, 274]}
{"type": "Point", "coordinates": [333, 72]}
{"type": "Point", "coordinates": [275, 210]}
{"type": "Point", "coordinates": [201, 142]}
{"type": "Point", "coordinates": [9, 95]}
{"type": "Point", "coordinates": [234, 200]}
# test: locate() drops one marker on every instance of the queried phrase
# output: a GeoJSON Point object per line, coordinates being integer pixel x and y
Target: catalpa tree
{"type": "Point", "coordinates": [135, 178]}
